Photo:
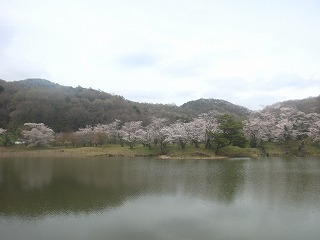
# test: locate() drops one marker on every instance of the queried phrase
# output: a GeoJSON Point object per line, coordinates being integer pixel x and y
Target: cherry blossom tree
{"type": "Point", "coordinates": [267, 126]}
{"type": "Point", "coordinates": [214, 129]}
{"type": "Point", "coordinates": [131, 132]}
{"type": "Point", "coordinates": [85, 136]}
{"type": "Point", "coordinates": [301, 124]}
{"type": "Point", "coordinates": [143, 136]}
{"type": "Point", "coordinates": [284, 126]}
{"type": "Point", "coordinates": [64, 139]}
{"type": "Point", "coordinates": [177, 133]}
{"type": "Point", "coordinates": [289, 124]}
{"type": "Point", "coordinates": [4, 137]}
{"type": "Point", "coordinates": [37, 134]}
{"type": "Point", "coordinates": [163, 138]}
{"type": "Point", "coordinates": [115, 134]}
{"type": "Point", "coordinates": [2, 131]}
{"type": "Point", "coordinates": [314, 129]}
{"type": "Point", "coordinates": [92, 136]}
{"type": "Point", "coordinates": [150, 134]}
{"type": "Point", "coordinates": [252, 130]}
{"type": "Point", "coordinates": [159, 133]}
{"type": "Point", "coordinates": [211, 127]}
{"type": "Point", "coordinates": [259, 126]}
{"type": "Point", "coordinates": [196, 131]}
{"type": "Point", "coordinates": [100, 132]}
{"type": "Point", "coordinates": [280, 124]}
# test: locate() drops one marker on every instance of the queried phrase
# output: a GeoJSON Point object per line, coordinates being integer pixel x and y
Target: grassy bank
{"type": "Point", "coordinates": [172, 151]}
{"type": "Point", "coordinates": [234, 151]}
{"type": "Point", "coordinates": [110, 150]}
{"type": "Point", "coordinates": [290, 148]}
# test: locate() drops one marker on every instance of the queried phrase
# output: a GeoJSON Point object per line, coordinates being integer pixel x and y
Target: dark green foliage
{"type": "Point", "coordinates": [66, 109]}
{"type": "Point", "coordinates": [254, 141]}
{"type": "Point", "coordinates": [136, 109]}
{"type": "Point", "coordinates": [230, 133]}
{"type": "Point", "coordinates": [4, 139]}
{"type": "Point", "coordinates": [308, 105]}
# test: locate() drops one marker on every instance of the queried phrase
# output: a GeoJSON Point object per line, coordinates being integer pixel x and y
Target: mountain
{"type": "Point", "coordinates": [66, 108]}
{"type": "Point", "coordinates": [206, 105]}
{"type": "Point", "coordinates": [307, 105]}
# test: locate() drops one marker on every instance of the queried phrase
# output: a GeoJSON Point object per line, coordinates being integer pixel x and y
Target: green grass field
{"type": "Point", "coordinates": [292, 148]}
{"type": "Point", "coordinates": [171, 151]}
{"type": "Point", "coordinates": [109, 150]}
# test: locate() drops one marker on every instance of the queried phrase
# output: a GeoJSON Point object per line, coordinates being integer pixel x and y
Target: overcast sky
{"type": "Point", "coordinates": [249, 52]}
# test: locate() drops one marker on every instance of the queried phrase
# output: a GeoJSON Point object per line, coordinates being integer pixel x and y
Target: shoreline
{"type": "Point", "coordinates": [62, 154]}
{"type": "Point", "coordinates": [168, 157]}
{"type": "Point", "coordinates": [172, 152]}
{"type": "Point", "coordinates": [110, 152]}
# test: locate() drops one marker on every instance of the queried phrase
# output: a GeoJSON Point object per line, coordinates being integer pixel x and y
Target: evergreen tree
{"type": "Point", "coordinates": [229, 132]}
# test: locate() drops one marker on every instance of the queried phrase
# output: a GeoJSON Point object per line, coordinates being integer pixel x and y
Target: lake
{"type": "Point", "coordinates": [153, 199]}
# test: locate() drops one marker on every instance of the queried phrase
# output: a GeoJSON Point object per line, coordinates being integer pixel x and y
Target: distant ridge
{"type": "Point", "coordinates": [307, 105]}
{"type": "Point", "coordinates": [38, 82]}
{"type": "Point", "coordinates": [205, 105]}
{"type": "Point", "coordinates": [67, 109]}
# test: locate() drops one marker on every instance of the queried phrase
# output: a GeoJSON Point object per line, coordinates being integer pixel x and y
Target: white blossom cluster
{"type": "Point", "coordinates": [281, 124]}
{"type": "Point", "coordinates": [158, 132]}
{"type": "Point", "coordinates": [271, 124]}
{"type": "Point", "coordinates": [37, 134]}
{"type": "Point", "coordinates": [2, 130]}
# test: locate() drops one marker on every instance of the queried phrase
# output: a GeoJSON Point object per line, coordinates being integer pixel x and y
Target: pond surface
{"type": "Point", "coordinates": [142, 198]}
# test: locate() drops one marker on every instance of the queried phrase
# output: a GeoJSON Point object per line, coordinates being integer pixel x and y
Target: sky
{"type": "Point", "coordinates": [250, 52]}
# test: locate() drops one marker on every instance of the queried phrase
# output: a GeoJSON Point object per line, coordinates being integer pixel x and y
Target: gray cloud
{"type": "Point", "coordinates": [151, 53]}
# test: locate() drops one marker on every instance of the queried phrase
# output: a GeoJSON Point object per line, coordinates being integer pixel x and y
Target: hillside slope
{"type": "Point", "coordinates": [66, 108]}
{"type": "Point", "coordinates": [206, 105]}
{"type": "Point", "coordinates": [307, 105]}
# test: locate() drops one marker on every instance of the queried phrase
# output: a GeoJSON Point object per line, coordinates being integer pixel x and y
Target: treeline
{"type": "Point", "coordinates": [281, 124]}
{"type": "Point", "coordinates": [211, 130]}
{"type": "Point", "coordinates": [66, 109]}
{"type": "Point", "coordinates": [42, 113]}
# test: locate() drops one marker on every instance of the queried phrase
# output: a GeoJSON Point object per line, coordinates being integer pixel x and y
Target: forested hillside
{"type": "Point", "coordinates": [206, 105]}
{"type": "Point", "coordinates": [67, 108]}
{"type": "Point", "coordinates": [308, 105]}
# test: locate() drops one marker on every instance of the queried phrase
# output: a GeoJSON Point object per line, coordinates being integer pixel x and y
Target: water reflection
{"type": "Point", "coordinates": [39, 186]}
{"type": "Point", "coordinates": [284, 182]}
{"type": "Point", "coordinates": [143, 198]}
{"type": "Point", "coordinates": [31, 187]}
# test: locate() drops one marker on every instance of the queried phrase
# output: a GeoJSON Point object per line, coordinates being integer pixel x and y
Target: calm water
{"type": "Point", "coordinates": [128, 199]}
